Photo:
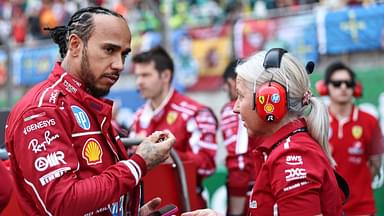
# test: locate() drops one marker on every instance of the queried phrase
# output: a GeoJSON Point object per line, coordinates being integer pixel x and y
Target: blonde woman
{"type": "Point", "coordinates": [296, 176]}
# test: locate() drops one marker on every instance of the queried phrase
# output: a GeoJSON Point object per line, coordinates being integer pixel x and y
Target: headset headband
{"type": "Point", "coordinates": [273, 58]}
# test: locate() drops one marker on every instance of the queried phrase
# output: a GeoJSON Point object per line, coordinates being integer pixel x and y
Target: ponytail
{"type": "Point", "coordinates": [59, 36]}
{"type": "Point", "coordinates": [316, 116]}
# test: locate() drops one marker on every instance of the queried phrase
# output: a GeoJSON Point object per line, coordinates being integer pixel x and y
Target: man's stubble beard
{"type": "Point", "coordinates": [88, 78]}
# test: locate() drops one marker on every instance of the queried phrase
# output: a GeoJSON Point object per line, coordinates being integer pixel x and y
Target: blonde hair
{"type": "Point", "coordinates": [293, 76]}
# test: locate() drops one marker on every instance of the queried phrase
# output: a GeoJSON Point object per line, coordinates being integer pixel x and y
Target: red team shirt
{"type": "Point", "coordinates": [239, 160]}
{"type": "Point", "coordinates": [295, 178]}
{"type": "Point", "coordinates": [193, 125]}
{"type": "Point", "coordinates": [353, 141]}
{"type": "Point", "coordinates": [65, 153]}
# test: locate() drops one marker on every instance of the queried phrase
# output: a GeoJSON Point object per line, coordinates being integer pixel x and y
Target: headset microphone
{"type": "Point", "coordinates": [309, 67]}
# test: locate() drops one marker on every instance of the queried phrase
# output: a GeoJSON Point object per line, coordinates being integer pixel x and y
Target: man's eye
{"type": "Point", "coordinates": [109, 50]}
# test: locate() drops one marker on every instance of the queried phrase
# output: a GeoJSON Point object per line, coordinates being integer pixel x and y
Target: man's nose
{"type": "Point", "coordinates": [118, 63]}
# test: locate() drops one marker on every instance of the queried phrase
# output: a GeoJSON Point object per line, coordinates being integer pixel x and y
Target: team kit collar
{"type": "Point", "coordinates": [353, 116]}
{"type": "Point", "coordinates": [148, 108]}
{"type": "Point", "coordinates": [270, 141]}
{"type": "Point", "coordinates": [76, 88]}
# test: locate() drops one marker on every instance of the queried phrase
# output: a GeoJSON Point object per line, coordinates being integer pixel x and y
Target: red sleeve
{"type": "Point", "coordinates": [376, 146]}
{"type": "Point", "coordinates": [239, 177]}
{"type": "Point", "coordinates": [202, 127]}
{"type": "Point", "coordinates": [6, 186]}
{"type": "Point", "coordinates": [296, 181]}
{"type": "Point", "coordinates": [239, 165]}
{"type": "Point", "coordinates": [53, 181]}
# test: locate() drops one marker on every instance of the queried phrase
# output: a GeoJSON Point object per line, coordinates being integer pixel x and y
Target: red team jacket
{"type": "Point", "coordinates": [239, 160]}
{"type": "Point", "coordinates": [193, 125]}
{"type": "Point", "coordinates": [296, 177]}
{"type": "Point", "coordinates": [65, 156]}
{"type": "Point", "coordinates": [6, 186]}
{"type": "Point", "coordinates": [353, 141]}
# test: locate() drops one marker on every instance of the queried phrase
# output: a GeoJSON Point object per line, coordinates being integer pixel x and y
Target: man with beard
{"type": "Point", "coordinates": [355, 138]}
{"type": "Point", "coordinates": [66, 158]}
{"type": "Point", "coordinates": [193, 124]}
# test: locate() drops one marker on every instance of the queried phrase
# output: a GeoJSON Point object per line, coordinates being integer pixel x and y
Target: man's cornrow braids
{"type": "Point", "coordinates": [81, 24]}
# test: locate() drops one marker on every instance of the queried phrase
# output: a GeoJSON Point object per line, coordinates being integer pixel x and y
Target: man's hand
{"type": "Point", "coordinates": [156, 148]}
{"type": "Point", "coordinates": [150, 206]}
{"type": "Point", "coordinates": [201, 212]}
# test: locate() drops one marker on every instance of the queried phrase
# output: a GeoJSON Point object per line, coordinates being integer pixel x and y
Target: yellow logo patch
{"type": "Point", "coordinates": [92, 152]}
{"type": "Point", "coordinates": [269, 108]}
{"type": "Point", "coordinates": [261, 99]}
{"type": "Point", "coordinates": [171, 117]}
{"type": "Point", "coordinates": [357, 131]}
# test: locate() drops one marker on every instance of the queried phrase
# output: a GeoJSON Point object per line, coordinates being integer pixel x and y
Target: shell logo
{"type": "Point", "coordinates": [269, 108]}
{"type": "Point", "coordinates": [92, 152]}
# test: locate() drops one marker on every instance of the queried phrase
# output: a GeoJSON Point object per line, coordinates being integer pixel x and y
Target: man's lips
{"type": "Point", "coordinates": [112, 77]}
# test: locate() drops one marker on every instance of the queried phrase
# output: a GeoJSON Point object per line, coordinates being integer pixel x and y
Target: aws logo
{"type": "Point", "coordinates": [294, 160]}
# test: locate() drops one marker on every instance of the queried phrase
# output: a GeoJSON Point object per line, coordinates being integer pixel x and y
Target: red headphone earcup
{"type": "Point", "coordinates": [358, 90]}
{"type": "Point", "coordinates": [271, 102]}
{"type": "Point", "coordinates": [321, 88]}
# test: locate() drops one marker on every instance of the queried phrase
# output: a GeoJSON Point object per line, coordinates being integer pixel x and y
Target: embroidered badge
{"type": "Point", "coordinates": [261, 99]}
{"type": "Point", "coordinates": [357, 131]}
{"type": "Point", "coordinates": [171, 117]}
{"type": "Point", "coordinates": [81, 117]}
{"type": "Point", "coordinates": [275, 98]}
{"type": "Point", "coordinates": [269, 108]}
{"type": "Point", "coordinates": [92, 152]}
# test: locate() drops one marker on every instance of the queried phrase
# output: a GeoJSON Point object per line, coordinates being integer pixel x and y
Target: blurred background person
{"type": "Point", "coordinates": [6, 186]}
{"type": "Point", "coordinates": [239, 160]}
{"type": "Point", "coordinates": [355, 137]}
{"type": "Point", "coordinates": [193, 124]}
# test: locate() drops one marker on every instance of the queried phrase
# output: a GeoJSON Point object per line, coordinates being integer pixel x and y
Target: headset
{"type": "Point", "coordinates": [271, 99]}
{"type": "Point", "coordinates": [322, 89]}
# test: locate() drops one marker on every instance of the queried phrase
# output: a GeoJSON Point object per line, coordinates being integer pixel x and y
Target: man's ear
{"type": "Point", "coordinates": [74, 45]}
{"type": "Point", "coordinates": [166, 75]}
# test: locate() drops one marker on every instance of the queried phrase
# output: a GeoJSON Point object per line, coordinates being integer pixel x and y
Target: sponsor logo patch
{"type": "Point", "coordinates": [92, 152]}
{"type": "Point", "coordinates": [261, 99]}
{"type": "Point", "coordinates": [295, 173]}
{"type": "Point", "coordinates": [70, 87]}
{"type": "Point", "coordinates": [269, 108]}
{"type": "Point", "coordinates": [299, 184]}
{"type": "Point", "coordinates": [51, 160]}
{"type": "Point", "coordinates": [53, 175]}
{"type": "Point", "coordinates": [53, 96]}
{"type": "Point", "coordinates": [357, 131]}
{"type": "Point", "coordinates": [275, 98]}
{"type": "Point", "coordinates": [39, 125]}
{"type": "Point", "coordinates": [36, 146]}
{"type": "Point", "coordinates": [81, 117]}
{"type": "Point", "coordinates": [253, 204]}
{"type": "Point", "coordinates": [294, 160]}
{"type": "Point", "coordinates": [171, 117]}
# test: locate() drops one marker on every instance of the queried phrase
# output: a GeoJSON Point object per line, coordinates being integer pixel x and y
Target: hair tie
{"type": "Point", "coordinates": [306, 98]}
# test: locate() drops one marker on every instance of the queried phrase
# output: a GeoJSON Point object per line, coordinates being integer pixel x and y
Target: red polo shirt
{"type": "Point", "coordinates": [296, 177]}
{"type": "Point", "coordinates": [353, 141]}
